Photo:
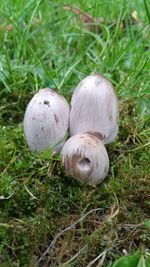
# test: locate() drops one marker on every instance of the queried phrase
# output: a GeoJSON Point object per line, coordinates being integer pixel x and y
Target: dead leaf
{"type": "Point", "coordinates": [134, 16]}
{"type": "Point", "coordinates": [89, 22]}
{"type": "Point", "coordinates": [9, 27]}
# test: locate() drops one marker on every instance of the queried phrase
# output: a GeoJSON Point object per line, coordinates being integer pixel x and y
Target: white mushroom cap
{"type": "Point", "coordinates": [94, 108]}
{"type": "Point", "coordinates": [85, 157]}
{"type": "Point", "coordinates": [46, 120]}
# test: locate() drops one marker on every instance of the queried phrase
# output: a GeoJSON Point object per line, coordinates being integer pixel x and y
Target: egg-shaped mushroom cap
{"type": "Point", "coordinates": [84, 157]}
{"type": "Point", "coordinates": [94, 108]}
{"type": "Point", "coordinates": [46, 120]}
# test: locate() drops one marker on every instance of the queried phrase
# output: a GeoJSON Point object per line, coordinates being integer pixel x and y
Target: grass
{"type": "Point", "coordinates": [42, 45]}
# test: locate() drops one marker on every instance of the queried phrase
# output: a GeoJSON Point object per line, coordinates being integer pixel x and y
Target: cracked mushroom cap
{"type": "Point", "coordinates": [94, 108]}
{"type": "Point", "coordinates": [85, 158]}
{"type": "Point", "coordinates": [46, 120]}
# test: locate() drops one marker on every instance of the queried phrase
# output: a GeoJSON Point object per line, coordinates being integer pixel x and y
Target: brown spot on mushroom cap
{"type": "Point", "coordinates": [42, 129]}
{"type": "Point", "coordinates": [56, 118]}
{"type": "Point", "coordinates": [96, 134]}
{"type": "Point", "coordinates": [74, 165]}
{"type": "Point", "coordinates": [92, 136]}
{"type": "Point", "coordinates": [46, 102]}
{"type": "Point", "coordinates": [35, 119]}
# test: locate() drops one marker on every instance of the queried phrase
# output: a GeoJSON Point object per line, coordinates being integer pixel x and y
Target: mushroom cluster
{"type": "Point", "coordinates": [92, 122]}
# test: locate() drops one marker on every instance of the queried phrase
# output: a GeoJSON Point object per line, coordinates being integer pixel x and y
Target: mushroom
{"type": "Point", "coordinates": [46, 120]}
{"type": "Point", "coordinates": [94, 108]}
{"type": "Point", "coordinates": [84, 157]}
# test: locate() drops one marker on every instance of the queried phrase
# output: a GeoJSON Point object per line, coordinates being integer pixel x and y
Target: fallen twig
{"type": "Point", "coordinates": [103, 254]}
{"type": "Point", "coordinates": [3, 198]}
{"type": "Point", "coordinates": [30, 192]}
{"type": "Point", "coordinates": [100, 264]}
{"type": "Point", "coordinates": [62, 232]}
